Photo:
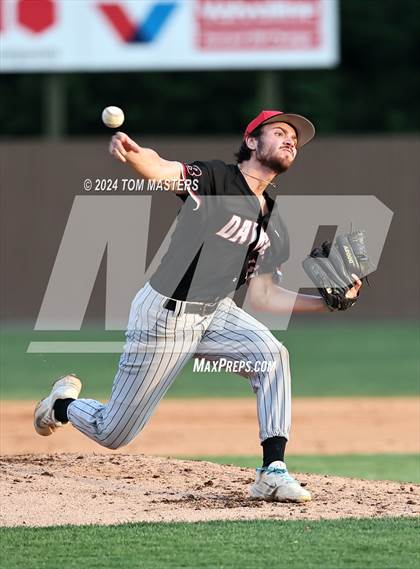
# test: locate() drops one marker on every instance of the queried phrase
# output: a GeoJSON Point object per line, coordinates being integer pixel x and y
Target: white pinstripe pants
{"type": "Point", "coordinates": [159, 343]}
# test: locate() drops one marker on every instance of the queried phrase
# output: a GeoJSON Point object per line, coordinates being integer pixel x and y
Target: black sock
{"type": "Point", "coordinates": [273, 449]}
{"type": "Point", "coordinates": [60, 410]}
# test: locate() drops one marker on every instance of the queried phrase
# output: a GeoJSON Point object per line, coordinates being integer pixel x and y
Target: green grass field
{"type": "Point", "coordinates": [371, 359]}
{"type": "Point", "coordinates": [360, 544]}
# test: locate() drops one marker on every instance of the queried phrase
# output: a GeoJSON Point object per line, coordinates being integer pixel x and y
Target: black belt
{"type": "Point", "coordinates": [204, 309]}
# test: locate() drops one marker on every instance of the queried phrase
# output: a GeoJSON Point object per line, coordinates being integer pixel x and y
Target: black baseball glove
{"type": "Point", "coordinates": [331, 266]}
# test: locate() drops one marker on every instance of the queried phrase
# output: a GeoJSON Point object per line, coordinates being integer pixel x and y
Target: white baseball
{"type": "Point", "coordinates": [113, 117]}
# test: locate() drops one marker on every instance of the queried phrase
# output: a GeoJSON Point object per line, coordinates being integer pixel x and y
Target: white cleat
{"type": "Point", "coordinates": [275, 484]}
{"type": "Point", "coordinates": [67, 387]}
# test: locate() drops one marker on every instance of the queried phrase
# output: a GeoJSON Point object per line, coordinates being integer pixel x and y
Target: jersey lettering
{"type": "Point", "coordinates": [193, 170]}
{"type": "Point", "coordinates": [230, 228]}
{"type": "Point", "coordinates": [244, 232]}
{"type": "Point", "coordinates": [263, 242]}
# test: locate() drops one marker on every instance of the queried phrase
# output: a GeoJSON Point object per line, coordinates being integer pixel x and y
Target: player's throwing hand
{"type": "Point", "coordinates": [120, 145]}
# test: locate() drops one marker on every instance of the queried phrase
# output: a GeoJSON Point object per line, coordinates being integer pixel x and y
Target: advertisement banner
{"type": "Point", "coordinates": [117, 35]}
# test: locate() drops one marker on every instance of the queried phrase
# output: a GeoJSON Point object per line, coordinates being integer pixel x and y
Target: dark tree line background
{"type": "Point", "coordinates": [375, 88]}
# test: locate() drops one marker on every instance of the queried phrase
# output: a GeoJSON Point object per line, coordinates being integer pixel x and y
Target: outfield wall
{"type": "Point", "coordinates": [39, 181]}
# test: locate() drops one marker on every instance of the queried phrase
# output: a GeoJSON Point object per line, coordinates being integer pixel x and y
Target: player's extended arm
{"type": "Point", "coordinates": [265, 296]}
{"type": "Point", "coordinates": [146, 162]}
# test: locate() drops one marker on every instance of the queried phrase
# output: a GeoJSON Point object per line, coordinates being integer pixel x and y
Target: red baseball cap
{"type": "Point", "coordinates": [304, 128]}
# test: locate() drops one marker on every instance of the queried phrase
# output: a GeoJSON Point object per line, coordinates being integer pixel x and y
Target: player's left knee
{"type": "Point", "coordinates": [115, 438]}
{"type": "Point", "coordinates": [278, 352]}
{"type": "Point", "coordinates": [284, 351]}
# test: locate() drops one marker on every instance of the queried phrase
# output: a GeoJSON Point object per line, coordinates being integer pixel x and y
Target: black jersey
{"type": "Point", "coordinates": [221, 239]}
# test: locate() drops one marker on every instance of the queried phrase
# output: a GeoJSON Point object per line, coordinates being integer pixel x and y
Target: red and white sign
{"type": "Point", "coordinates": [94, 35]}
{"type": "Point", "coordinates": [231, 25]}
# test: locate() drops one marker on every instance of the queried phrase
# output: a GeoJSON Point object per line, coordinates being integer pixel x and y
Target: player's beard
{"type": "Point", "coordinates": [272, 161]}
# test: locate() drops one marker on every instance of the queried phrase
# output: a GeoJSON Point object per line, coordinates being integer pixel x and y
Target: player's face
{"type": "Point", "coordinates": [277, 146]}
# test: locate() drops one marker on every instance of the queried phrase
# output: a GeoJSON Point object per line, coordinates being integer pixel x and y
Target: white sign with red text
{"type": "Point", "coordinates": [94, 35]}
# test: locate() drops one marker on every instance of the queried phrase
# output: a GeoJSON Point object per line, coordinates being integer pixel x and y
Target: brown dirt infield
{"type": "Point", "coordinates": [101, 489]}
{"type": "Point", "coordinates": [104, 487]}
{"type": "Point", "coordinates": [193, 427]}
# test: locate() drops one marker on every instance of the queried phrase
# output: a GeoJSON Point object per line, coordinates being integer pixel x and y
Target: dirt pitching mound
{"type": "Point", "coordinates": [44, 490]}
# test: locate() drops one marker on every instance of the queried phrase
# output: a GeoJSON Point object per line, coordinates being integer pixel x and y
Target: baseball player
{"type": "Point", "coordinates": [229, 233]}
